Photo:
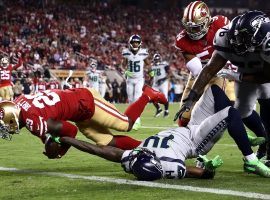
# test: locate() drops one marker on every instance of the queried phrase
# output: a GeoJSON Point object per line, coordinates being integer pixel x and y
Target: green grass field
{"type": "Point", "coordinates": [24, 152]}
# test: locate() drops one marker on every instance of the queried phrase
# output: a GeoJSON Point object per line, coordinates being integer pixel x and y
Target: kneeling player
{"type": "Point", "coordinates": [49, 112]}
{"type": "Point", "coordinates": [163, 155]}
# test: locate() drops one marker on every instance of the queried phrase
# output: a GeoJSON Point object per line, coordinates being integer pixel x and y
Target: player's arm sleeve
{"type": "Point", "coordinates": [194, 66]}
{"type": "Point", "coordinates": [107, 152]}
{"type": "Point", "coordinates": [18, 64]}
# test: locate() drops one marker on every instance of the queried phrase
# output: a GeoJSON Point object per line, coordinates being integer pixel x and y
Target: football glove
{"type": "Point", "coordinates": [152, 73]}
{"type": "Point", "coordinates": [188, 102]}
{"type": "Point", "coordinates": [211, 164]}
{"type": "Point", "coordinates": [128, 73]}
{"type": "Point", "coordinates": [230, 75]}
{"type": "Point", "coordinates": [53, 138]}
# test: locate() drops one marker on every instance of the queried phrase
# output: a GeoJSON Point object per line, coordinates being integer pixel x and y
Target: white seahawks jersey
{"type": "Point", "coordinates": [160, 70]}
{"type": "Point", "coordinates": [94, 79]}
{"type": "Point", "coordinates": [135, 61]}
{"type": "Point", "coordinates": [174, 146]}
{"type": "Point", "coordinates": [249, 63]}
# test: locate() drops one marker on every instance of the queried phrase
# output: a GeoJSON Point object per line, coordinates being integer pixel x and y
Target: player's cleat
{"type": "Point", "coordinates": [158, 112]}
{"type": "Point", "coordinates": [137, 125]}
{"type": "Point", "coordinates": [166, 113]}
{"type": "Point", "coordinates": [255, 141]}
{"type": "Point", "coordinates": [155, 96]}
{"type": "Point", "coordinates": [256, 167]}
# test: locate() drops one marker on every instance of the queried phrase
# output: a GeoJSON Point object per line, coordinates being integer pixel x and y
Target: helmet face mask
{"type": "Point", "coordinates": [145, 165]}
{"type": "Point", "coordinates": [4, 62]}
{"type": "Point", "coordinates": [196, 20]}
{"type": "Point", "coordinates": [9, 122]}
{"type": "Point", "coordinates": [135, 43]}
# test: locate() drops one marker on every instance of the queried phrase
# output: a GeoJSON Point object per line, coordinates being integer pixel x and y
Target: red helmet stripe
{"type": "Point", "coordinates": [193, 9]}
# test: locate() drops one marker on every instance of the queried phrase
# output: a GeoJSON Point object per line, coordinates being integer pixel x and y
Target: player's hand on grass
{"type": "Point", "coordinates": [210, 164]}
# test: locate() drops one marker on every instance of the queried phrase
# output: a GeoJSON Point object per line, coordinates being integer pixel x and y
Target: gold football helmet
{"type": "Point", "coordinates": [196, 19]}
{"type": "Point", "coordinates": [4, 62]}
{"type": "Point", "coordinates": [9, 119]}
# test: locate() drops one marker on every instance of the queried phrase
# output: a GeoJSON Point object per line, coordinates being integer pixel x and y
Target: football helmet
{"type": "Point", "coordinates": [4, 62]}
{"type": "Point", "coordinates": [135, 42]}
{"type": "Point", "coordinates": [9, 119]}
{"type": "Point", "coordinates": [246, 31]}
{"type": "Point", "coordinates": [196, 19]}
{"type": "Point", "coordinates": [145, 165]}
{"type": "Point", "coordinates": [157, 58]}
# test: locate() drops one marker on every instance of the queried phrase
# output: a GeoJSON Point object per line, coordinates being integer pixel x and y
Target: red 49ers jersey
{"type": "Point", "coordinates": [5, 74]}
{"type": "Point", "coordinates": [73, 105]}
{"type": "Point", "coordinates": [202, 48]}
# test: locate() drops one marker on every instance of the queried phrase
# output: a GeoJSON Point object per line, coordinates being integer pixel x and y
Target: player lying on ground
{"type": "Point", "coordinates": [163, 155]}
{"type": "Point", "coordinates": [48, 112]}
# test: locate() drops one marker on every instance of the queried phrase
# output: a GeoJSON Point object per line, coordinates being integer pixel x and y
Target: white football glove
{"type": "Point", "coordinates": [230, 75]}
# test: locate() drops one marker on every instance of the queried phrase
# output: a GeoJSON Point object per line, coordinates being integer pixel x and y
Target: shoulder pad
{"type": "Point", "coordinates": [220, 21]}
{"type": "Point", "coordinates": [180, 41]}
{"type": "Point", "coordinates": [221, 40]}
{"type": "Point", "coordinates": [143, 52]}
{"type": "Point", "coordinates": [126, 52]}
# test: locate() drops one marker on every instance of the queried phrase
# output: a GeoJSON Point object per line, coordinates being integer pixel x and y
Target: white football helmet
{"type": "Point", "coordinates": [4, 62]}
{"type": "Point", "coordinates": [196, 19]}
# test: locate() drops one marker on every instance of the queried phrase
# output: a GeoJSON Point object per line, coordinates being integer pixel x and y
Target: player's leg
{"type": "Point", "coordinates": [10, 93]}
{"type": "Point", "coordinates": [211, 129]}
{"type": "Point", "coordinates": [164, 87]}
{"type": "Point", "coordinates": [246, 97]}
{"type": "Point", "coordinates": [130, 90]}
{"type": "Point", "coordinates": [137, 93]}
{"type": "Point", "coordinates": [157, 106]}
{"type": "Point", "coordinates": [2, 93]}
{"type": "Point", "coordinates": [229, 90]}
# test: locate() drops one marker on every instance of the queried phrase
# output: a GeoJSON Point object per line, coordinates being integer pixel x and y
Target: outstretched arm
{"type": "Point", "coordinates": [195, 172]}
{"type": "Point", "coordinates": [106, 152]}
{"type": "Point", "coordinates": [216, 63]}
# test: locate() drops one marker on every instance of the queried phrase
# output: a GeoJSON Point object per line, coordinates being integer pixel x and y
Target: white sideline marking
{"type": "Point", "coordinates": [143, 183]}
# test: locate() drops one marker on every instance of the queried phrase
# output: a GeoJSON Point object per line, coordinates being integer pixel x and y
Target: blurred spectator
{"type": "Point", "coordinates": [115, 90]}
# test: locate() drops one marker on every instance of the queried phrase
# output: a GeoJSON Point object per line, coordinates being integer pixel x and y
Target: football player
{"type": "Point", "coordinates": [244, 42]}
{"type": "Point", "coordinates": [6, 92]}
{"type": "Point", "coordinates": [94, 76]}
{"type": "Point", "coordinates": [134, 61]}
{"type": "Point", "coordinates": [50, 111]}
{"type": "Point", "coordinates": [163, 155]}
{"type": "Point", "coordinates": [195, 42]}
{"type": "Point", "coordinates": [160, 72]}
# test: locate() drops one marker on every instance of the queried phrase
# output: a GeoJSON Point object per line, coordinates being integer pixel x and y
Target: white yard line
{"type": "Point", "coordinates": [144, 184]}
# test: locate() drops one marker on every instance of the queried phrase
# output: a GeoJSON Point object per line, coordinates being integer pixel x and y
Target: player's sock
{"type": "Point", "coordinates": [166, 106]}
{"type": "Point", "coordinates": [251, 157]}
{"type": "Point", "coordinates": [125, 142]}
{"type": "Point", "coordinates": [156, 106]}
{"type": "Point", "coordinates": [136, 108]}
{"type": "Point", "coordinates": [238, 132]}
{"type": "Point", "coordinates": [220, 98]}
{"type": "Point", "coordinates": [254, 123]}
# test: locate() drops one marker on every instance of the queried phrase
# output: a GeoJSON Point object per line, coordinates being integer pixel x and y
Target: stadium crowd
{"type": "Point", "coordinates": [67, 37]}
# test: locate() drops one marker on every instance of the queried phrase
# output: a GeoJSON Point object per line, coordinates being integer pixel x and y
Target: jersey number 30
{"type": "Point", "coordinates": [46, 98]}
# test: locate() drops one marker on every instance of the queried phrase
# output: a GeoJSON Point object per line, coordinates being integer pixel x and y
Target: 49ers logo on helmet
{"type": "Point", "coordinates": [2, 113]}
{"type": "Point", "coordinates": [203, 12]}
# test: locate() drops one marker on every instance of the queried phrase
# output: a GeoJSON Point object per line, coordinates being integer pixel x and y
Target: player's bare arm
{"type": "Point", "coordinates": [106, 152]}
{"type": "Point", "coordinates": [215, 64]}
{"type": "Point", "coordinates": [124, 64]}
{"type": "Point", "coordinates": [195, 172]}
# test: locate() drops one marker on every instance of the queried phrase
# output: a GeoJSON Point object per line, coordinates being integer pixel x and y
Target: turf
{"type": "Point", "coordinates": [25, 152]}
